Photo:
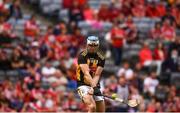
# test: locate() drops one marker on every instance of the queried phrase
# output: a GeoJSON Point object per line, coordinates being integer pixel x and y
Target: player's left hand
{"type": "Point", "coordinates": [97, 91]}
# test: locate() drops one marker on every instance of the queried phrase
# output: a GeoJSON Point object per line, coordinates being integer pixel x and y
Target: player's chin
{"type": "Point", "coordinates": [93, 50]}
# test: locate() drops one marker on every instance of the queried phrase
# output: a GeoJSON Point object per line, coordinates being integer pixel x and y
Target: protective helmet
{"type": "Point", "coordinates": [92, 44]}
{"type": "Point", "coordinates": [93, 41]}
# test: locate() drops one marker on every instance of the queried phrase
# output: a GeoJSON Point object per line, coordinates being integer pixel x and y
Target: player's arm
{"type": "Point", "coordinates": [85, 69]}
{"type": "Point", "coordinates": [98, 71]}
{"type": "Point", "coordinates": [87, 77]}
{"type": "Point", "coordinates": [97, 75]}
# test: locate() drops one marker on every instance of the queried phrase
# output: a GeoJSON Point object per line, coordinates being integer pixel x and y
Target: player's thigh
{"type": "Point", "coordinates": [100, 106]}
{"type": "Point", "coordinates": [86, 98]}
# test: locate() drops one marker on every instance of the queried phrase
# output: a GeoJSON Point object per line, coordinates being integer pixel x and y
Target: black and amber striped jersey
{"type": "Point", "coordinates": [93, 60]}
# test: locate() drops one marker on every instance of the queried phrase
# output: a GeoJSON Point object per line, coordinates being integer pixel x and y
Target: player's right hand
{"type": "Point", "coordinates": [91, 91]}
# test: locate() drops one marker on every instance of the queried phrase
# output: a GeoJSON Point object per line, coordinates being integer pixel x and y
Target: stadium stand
{"type": "Point", "coordinates": [38, 62]}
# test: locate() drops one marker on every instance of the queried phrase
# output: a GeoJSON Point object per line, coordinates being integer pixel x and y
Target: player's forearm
{"type": "Point", "coordinates": [97, 75]}
{"type": "Point", "coordinates": [88, 79]}
{"type": "Point", "coordinates": [96, 79]}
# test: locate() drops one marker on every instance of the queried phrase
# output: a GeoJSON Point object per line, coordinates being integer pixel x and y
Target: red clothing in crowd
{"type": "Point", "coordinates": [117, 37]}
{"type": "Point", "coordinates": [176, 13]}
{"type": "Point", "coordinates": [139, 10]}
{"type": "Point", "coordinates": [88, 14]}
{"type": "Point", "coordinates": [168, 32]}
{"type": "Point", "coordinates": [159, 54]}
{"type": "Point", "coordinates": [68, 3]}
{"type": "Point", "coordinates": [152, 11]}
{"type": "Point", "coordinates": [156, 33]}
{"type": "Point", "coordinates": [31, 28]}
{"type": "Point", "coordinates": [114, 13]}
{"type": "Point", "coordinates": [145, 55]}
{"type": "Point", "coordinates": [103, 14]}
{"type": "Point", "coordinates": [157, 11]}
{"type": "Point", "coordinates": [161, 10]}
{"type": "Point", "coordinates": [5, 27]}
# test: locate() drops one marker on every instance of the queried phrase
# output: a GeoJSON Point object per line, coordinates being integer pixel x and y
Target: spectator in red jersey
{"type": "Point", "coordinates": [161, 9]}
{"type": "Point", "coordinates": [114, 12]}
{"type": "Point", "coordinates": [31, 28]}
{"type": "Point", "coordinates": [117, 37]}
{"type": "Point", "coordinates": [49, 36]}
{"type": "Point", "coordinates": [68, 3]}
{"type": "Point", "coordinates": [126, 8]}
{"type": "Point", "coordinates": [131, 31]}
{"type": "Point", "coordinates": [75, 12]}
{"type": "Point", "coordinates": [139, 10]}
{"type": "Point", "coordinates": [168, 31]}
{"type": "Point", "coordinates": [152, 11]}
{"type": "Point", "coordinates": [176, 14]}
{"type": "Point", "coordinates": [103, 14]}
{"type": "Point", "coordinates": [145, 55]}
{"type": "Point", "coordinates": [88, 13]}
{"type": "Point", "coordinates": [159, 52]}
{"type": "Point", "coordinates": [159, 56]}
{"type": "Point", "coordinates": [5, 28]}
{"type": "Point", "coordinates": [156, 32]}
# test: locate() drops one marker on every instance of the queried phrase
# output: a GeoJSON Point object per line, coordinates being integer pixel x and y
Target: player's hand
{"type": "Point", "coordinates": [91, 91]}
{"type": "Point", "coordinates": [97, 91]}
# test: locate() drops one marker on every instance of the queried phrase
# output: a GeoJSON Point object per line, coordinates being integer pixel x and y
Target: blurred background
{"type": "Point", "coordinates": [40, 41]}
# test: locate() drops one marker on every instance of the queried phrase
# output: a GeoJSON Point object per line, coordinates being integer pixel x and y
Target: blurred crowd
{"type": "Point", "coordinates": [38, 70]}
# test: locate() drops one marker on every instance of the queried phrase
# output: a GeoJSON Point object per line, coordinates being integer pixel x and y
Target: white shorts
{"type": "Point", "coordinates": [83, 90]}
